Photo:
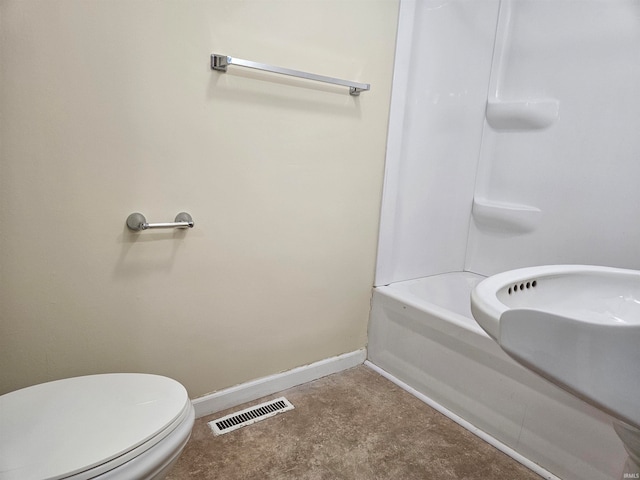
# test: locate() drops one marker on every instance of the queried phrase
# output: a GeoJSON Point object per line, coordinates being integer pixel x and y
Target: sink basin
{"type": "Point", "coordinates": [579, 327]}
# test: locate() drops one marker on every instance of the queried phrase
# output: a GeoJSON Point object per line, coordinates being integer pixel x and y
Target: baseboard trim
{"type": "Point", "coordinates": [249, 391]}
{"type": "Point", "coordinates": [463, 423]}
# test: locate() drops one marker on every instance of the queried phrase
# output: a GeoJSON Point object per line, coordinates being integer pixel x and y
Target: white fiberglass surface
{"type": "Point", "coordinates": [449, 291]}
{"type": "Point", "coordinates": [442, 66]}
{"type": "Point", "coordinates": [558, 142]}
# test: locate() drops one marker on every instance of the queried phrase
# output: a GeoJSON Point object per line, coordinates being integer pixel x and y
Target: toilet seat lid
{"type": "Point", "coordinates": [61, 428]}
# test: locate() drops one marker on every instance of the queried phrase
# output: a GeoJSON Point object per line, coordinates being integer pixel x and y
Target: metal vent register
{"type": "Point", "coordinates": [250, 415]}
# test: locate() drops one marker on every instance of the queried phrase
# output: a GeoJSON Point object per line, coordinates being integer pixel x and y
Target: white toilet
{"type": "Point", "coordinates": [117, 426]}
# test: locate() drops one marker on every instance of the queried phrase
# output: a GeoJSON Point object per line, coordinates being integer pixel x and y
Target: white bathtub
{"type": "Point", "coordinates": [423, 336]}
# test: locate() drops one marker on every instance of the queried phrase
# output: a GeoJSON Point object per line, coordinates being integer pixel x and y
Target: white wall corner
{"type": "Point", "coordinates": [249, 391]}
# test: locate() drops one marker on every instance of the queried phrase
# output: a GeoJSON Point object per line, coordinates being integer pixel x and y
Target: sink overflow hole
{"type": "Point", "coordinates": [522, 286]}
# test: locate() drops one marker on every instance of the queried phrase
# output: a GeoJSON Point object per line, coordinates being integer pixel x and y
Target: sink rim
{"type": "Point", "coordinates": [487, 308]}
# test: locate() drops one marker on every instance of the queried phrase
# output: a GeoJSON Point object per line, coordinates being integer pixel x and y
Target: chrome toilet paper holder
{"type": "Point", "coordinates": [137, 222]}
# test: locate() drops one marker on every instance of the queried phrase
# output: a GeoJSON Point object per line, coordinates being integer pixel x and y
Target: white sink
{"type": "Point", "coordinates": [578, 326]}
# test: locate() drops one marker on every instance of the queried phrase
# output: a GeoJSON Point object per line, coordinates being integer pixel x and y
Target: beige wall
{"type": "Point", "coordinates": [110, 107]}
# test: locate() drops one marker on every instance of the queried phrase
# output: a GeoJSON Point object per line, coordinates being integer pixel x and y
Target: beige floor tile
{"type": "Point", "coordinates": [354, 425]}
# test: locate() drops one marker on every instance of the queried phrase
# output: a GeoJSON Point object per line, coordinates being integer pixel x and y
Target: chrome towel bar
{"type": "Point", "coordinates": [220, 63]}
{"type": "Point", "coordinates": [137, 222]}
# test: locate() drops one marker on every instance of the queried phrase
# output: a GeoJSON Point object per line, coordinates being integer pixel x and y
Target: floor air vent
{"type": "Point", "coordinates": [250, 415]}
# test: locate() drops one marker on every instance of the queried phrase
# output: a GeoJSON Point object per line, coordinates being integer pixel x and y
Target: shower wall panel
{"type": "Point", "coordinates": [559, 164]}
{"type": "Point", "coordinates": [443, 60]}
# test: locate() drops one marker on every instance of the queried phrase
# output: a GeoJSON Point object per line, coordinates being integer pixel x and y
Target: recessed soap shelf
{"type": "Point", "coordinates": [504, 216]}
{"type": "Point", "coordinates": [519, 115]}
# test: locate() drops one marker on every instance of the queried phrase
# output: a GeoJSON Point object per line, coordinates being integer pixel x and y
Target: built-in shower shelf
{"type": "Point", "coordinates": [505, 217]}
{"type": "Point", "coordinates": [532, 114]}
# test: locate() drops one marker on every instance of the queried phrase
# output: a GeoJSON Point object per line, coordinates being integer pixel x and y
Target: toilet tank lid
{"type": "Point", "coordinates": [57, 429]}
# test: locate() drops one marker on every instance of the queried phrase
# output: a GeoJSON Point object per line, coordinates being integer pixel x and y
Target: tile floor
{"type": "Point", "coordinates": [353, 425]}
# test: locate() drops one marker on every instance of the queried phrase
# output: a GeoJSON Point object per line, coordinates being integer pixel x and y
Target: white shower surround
{"type": "Point", "coordinates": [511, 143]}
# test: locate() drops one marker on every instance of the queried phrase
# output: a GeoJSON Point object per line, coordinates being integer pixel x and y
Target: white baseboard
{"type": "Point", "coordinates": [249, 391]}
